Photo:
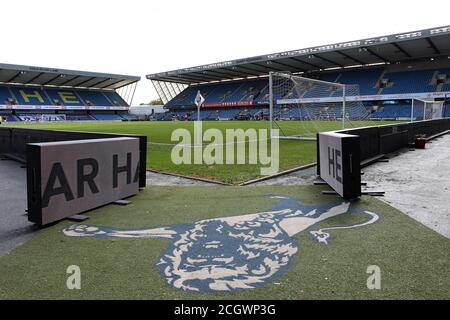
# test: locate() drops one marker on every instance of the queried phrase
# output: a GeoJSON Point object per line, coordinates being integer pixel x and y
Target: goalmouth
{"type": "Point", "coordinates": [300, 107]}
{"type": "Point", "coordinates": [426, 109]}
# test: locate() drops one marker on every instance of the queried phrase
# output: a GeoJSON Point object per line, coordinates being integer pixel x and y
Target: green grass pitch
{"type": "Point", "coordinates": [293, 153]}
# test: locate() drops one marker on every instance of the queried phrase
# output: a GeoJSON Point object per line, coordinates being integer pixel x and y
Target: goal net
{"type": "Point", "coordinates": [426, 109]}
{"type": "Point", "coordinates": [300, 107]}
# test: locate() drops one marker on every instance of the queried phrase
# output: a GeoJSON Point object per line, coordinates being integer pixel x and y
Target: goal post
{"type": "Point", "coordinates": [311, 105]}
{"type": "Point", "coordinates": [426, 109]}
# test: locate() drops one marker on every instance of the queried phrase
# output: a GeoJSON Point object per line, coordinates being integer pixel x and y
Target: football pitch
{"type": "Point", "coordinates": [293, 153]}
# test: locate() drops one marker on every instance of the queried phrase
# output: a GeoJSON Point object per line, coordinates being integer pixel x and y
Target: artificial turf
{"type": "Point", "coordinates": [293, 153]}
{"type": "Point", "coordinates": [413, 259]}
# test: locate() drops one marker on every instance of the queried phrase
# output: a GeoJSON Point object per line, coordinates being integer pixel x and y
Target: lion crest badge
{"type": "Point", "coordinates": [237, 252]}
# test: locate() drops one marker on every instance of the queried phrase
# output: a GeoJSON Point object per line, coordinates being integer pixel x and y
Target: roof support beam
{"type": "Point", "coordinates": [51, 80]}
{"type": "Point", "coordinates": [204, 76]}
{"type": "Point", "coordinates": [297, 60]}
{"type": "Point", "coordinates": [395, 44]}
{"type": "Point", "coordinates": [249, 70]}
{"type": "Point", "coordinates": [184, 80]}
{"type": "Point", "coordinates": [34, 78]}
{"type": "Point", "coordinates": [66, 82]}
{"type": "Point", "coordinates": [375, 54]}
{"type": "Point", "coordinates": [134, 84]}
{"type": "Point", "coordinates": [328, 60]}
{"type": "Point", "coordinates": [308, 63]}
{"type": "Point", "coordinates": [432, 45]}
{"type": "Point", "coordinates": [267, 68]}
{"type": "Point", "coordinates": [180, 87]}
{"type": "Point", "coordinates": [15, 76]}
{"type": "Point", "coordinates": [223, 75]}
{"type": "Point", "coordinates": [100, 82]}
{"type": "Point", "coordinates": [286, 65]}
{"type": "Point", "coordinates": [174, 89]}
{"type": "Point", "coordinates": [160, 91]}
{"type": "Point", "coordinates": [111, 84]}
{"type": "Point", "coordinates": [190, 77]}
{"type": "Point", "coordinates": [237, 73]}
{"type": "Point", "coordinates": [350, 57]}
{"type": "Point", "coordinates": [177, 79]}
{"type": "Point", "coordinates": [83, 82]}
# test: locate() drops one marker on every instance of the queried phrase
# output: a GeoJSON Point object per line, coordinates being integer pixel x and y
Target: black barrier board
{"type": "Point", "coordinates": [13, 141]}
{"type": "Point", "coordinates": [373, 142]}
{"type": "Point", "coordinates": [340, 163]}
{"type": "Point", "coordinates": [70, 177]}
{"type": "Point", "coordinates": [379, 140]}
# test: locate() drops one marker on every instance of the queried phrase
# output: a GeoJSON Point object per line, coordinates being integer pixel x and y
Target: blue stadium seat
{"type": "Point", "coordinates": [12, 118]}
{"type": "Point", "coordinates": [393, 112]}
{"type": "Point", "coordinates": [227, 114]}
{"type": "Point", "coordinates": [78, 116]}
{"type": "Point", "coordinates": [94, 98]}
{"type": "Point", "coordinates": [5, 95]}
{"type": "Point", "coordinates": [30, 96]}
{"type": "Point", "coordinates": [64, 97]}
{"type": "Point", "coordinates": [254, 90]}
{"type": "Point", "coordinates": [329, 77]}
{"type": "Point", "coordinates": [247, 91]}
{"type": "Point", "coordinates": [410, 82]}
{"type": "Point", "coordinates": [446, 87]}
{"type": "Point", "coordinates": [55, 96]}
{"type": "Point", "coordinates": [257, 91]}
{"type": "Point", "coordinates": [365, 79]}
{"type": "Point", "coordinates": [446, 112]}
{"type": "Point", "coordinates": [115, 98]}
{"type": "Point", "coordinates": [223, 92]}
{"type": "Point", "coordinates": [187, 96]}
{"type": "Point", "coordinates": [106, 116]}
{"type": "Point", "coordinates": [126, 116]}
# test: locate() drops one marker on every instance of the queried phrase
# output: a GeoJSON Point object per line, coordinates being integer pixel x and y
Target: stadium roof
{"type": "Point", "coordinates": [28, 75]}
{"type": "Point", "coordinates": [415, 45]}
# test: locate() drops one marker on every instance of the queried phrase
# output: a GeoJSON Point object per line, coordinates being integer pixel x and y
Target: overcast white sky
{"type": "Point", "coordinates": [138, 37]}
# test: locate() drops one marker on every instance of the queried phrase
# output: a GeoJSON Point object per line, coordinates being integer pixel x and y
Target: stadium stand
{"type": "Point", "coordinates": [30, 96]}
{"type": "Point", "coordinates": [106, 116]}
{"type": "Point", "coordinates": [222, 93]}
{"type": "Point", "coordinates": [5, 95]}
{"type": "Point", "coordinates": [410, 82]}
{"type": "Point", "coordinates": [395, 67]}
{"type": "Point", "coordinates": [247, 91]}
{"type": "Point", "coordinates": [79, 117]}
{"type": "Point", "coordinates": [446, 87]}
{"type": "Point", "coordinates": [365, 79]}
{"type": "Point", "coordinates": [255, 92]}
{"type": "Point", "coordinates": [115, 99]}
{"type": "Point", "coordinates": [43, 94]}
{"type": "Point", "coordinates": [94, 98]}
{"type": "Point", "coordinates": [126, 116]}
{"type": "Point", "coordinates": [64, 97]}
{"type": "Point", "coordinates": [12, 118]}
{"type": "Point", "coordinates": [60, 97]}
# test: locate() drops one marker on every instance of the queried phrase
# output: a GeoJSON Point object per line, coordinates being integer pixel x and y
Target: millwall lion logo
{"type": "Point", "coordinates": [233, 253]}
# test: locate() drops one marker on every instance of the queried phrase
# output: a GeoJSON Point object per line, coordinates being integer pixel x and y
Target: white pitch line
{"type": "Point", "coordinates": [205, 144]}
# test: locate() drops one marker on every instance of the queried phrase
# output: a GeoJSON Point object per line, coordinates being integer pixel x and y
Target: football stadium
{"type": "Point", "coordinates": [317, 173]}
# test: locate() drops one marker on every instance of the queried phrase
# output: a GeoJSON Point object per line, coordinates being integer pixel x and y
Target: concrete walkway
{"type": "Point", "coordinates": [14, 226]}
{"type": "Point", "coordinates": [417, 183]}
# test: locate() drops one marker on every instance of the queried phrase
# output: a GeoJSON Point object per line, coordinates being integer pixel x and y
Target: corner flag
{"type": "Point", "coordinates": [198, 102]}
{"type": "Point", "coordinates": [199, 99]}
